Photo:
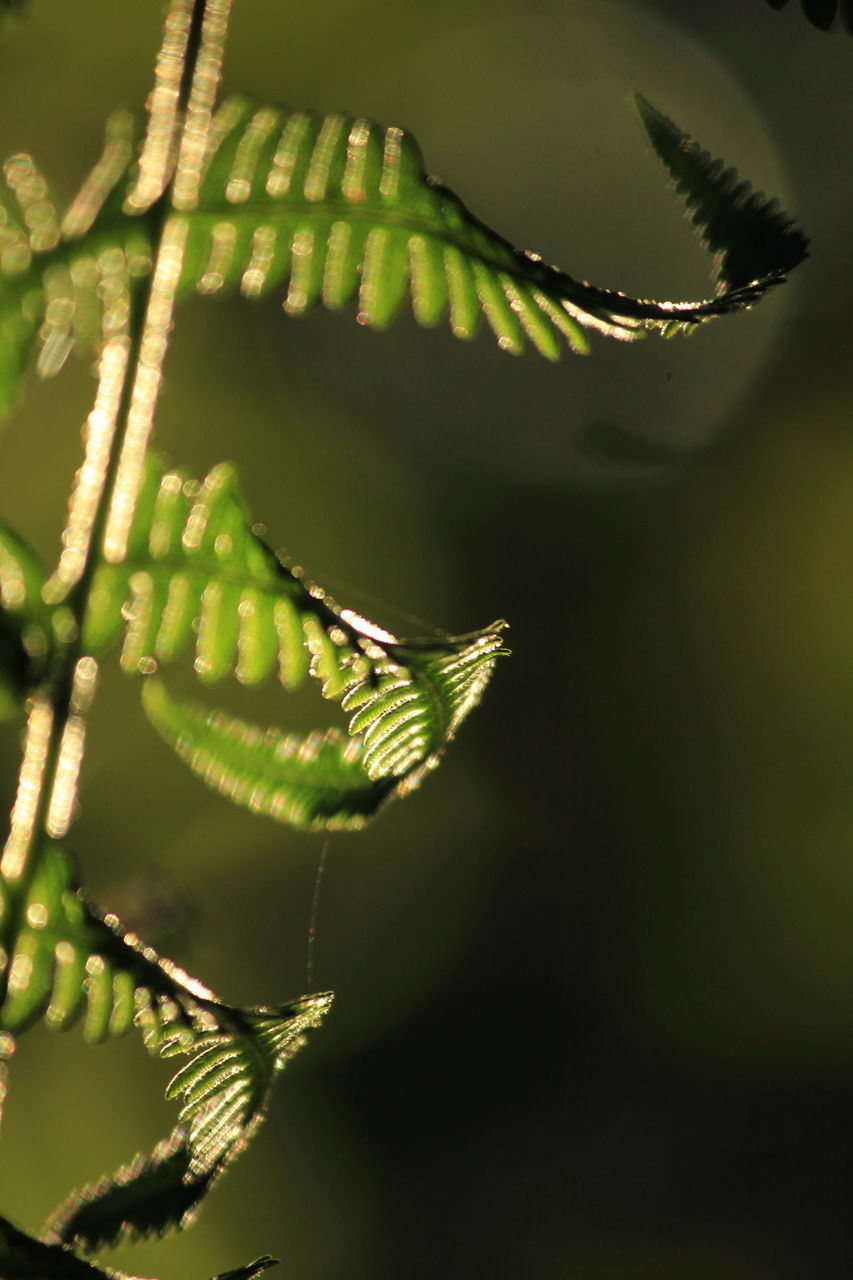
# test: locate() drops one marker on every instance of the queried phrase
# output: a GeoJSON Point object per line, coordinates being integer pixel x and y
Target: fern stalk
{"type": "Point", "coordinates": [107, 486]}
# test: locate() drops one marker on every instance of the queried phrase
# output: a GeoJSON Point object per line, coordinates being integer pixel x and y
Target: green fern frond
{"type": "Point", "coordinates": [341, 210]}
{"type": "Point", "coordinates": [750, 236]}
{"type": "Point", "coordinates": [822, 13]}
{"type": "Point", "coordinates": [225, 1088]}
{"type": "Point", "coordinates": [25, 621]}
{"type": "Point", "coordinates": [65, 282]}
{"type": "Point", "coordinates": [314, 781]}
{"type": "Point", "coordinates": [336, 210]}
{"type": "Point", "coordinates": [60, 960]}
{"type": "Point", "coordinates": [197, 576]}
{"type": "Point", "coordinates": [403, 711]}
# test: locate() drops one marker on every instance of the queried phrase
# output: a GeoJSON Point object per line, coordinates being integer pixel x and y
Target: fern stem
{"type": "Point", "coordinates": [117, 434]}
{"type": "Point", "coordinates": [207, 74]}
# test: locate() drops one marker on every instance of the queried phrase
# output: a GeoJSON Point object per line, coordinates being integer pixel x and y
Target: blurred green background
{"type": "Point", "coordinates": [594, 981]}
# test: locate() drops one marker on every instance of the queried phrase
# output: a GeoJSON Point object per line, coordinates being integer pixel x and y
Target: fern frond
{"type": "Point", "coordinates": [751, 238]}
{"type": "Point", "coordinates": [822, 13]}
{"type": "Point", "coordinates": [334, 209]}
{"type": "Point", "coordinates": [341, 210]}
{"type": "Point", "coordinates": [60, 960]}
{"type": "Point", "coordinates": [24, 1258]}
{"type": "Point", "coordinates": [225, 1088]}
{"type": "Point", "coordinates": [314, 782]}
{"type": "Point", "coordinates": [149, 1196]}
{"type": "Point", "coordinates": [197, 576]}
{"type": "Point", "coordinates": [65, 283]}
{"type": "Point", "coordinates": [25, 621]}
{"type": "Point", "coordinates": [402, 713]}
{"type": "Point", "coordinates": [251, 1270]}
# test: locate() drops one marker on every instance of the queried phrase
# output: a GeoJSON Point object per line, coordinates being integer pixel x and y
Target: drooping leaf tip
{"type": "Point", "coordinates": [754, 242]}
{"type": "Point", "coordinates": [251, 1270]}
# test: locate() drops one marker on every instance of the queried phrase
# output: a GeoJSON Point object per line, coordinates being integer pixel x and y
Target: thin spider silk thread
{"type": "Point", "coordinates": [312, 924]}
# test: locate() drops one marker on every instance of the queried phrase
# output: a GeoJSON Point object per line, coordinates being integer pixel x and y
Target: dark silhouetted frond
{"type": "Point", "coordinates": [24, 1258]}
{"type": "Point", "coordinates": [25, 622]}
{"type": "Point", "coordinates": [822, 13]}
{"type": "Point", "coordinates": [751, 238]}
{"type": "Point", "coordinates": [225, 1090]}
{"type": "Point", "coordinates": [147, 1197]}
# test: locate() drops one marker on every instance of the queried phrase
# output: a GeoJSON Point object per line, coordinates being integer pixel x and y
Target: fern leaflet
{"type": "Point", "coordinates": [314, 781]}
{"type": "Point", "coordinates": [61, 960]}
{"type": "Point", "coordinates": [65, 282]}
{"type": "Point", "coordinates": [336, 209]}
{"type": "Point", "coordinates": [24, 1258]}
{"type": "Point", "coordinates": [25, 621]}
{"type": "Point", "coordinates": [822, 13]}
{"type": "Point", "coordinates": [750, 236]}
{"type": "Point", "coordinates": [196, 574]}
{"type": "Point", "coordinates": [341, 210]}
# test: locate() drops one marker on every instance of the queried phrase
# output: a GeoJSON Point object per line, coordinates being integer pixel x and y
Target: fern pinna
{"type": "Point", "coordinates": [822, 13]}
{"type": "Point", "coordinates": [333, 210]}
{"type": "Point", "coordinates": [337, 211]}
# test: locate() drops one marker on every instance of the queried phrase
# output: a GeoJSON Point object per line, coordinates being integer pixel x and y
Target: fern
{"type": "Point", "coordinates": [822, 13]}
{"type": "Point", "coordinates": [750, 236]}
{"type": "Point", "coordinates": [321, 209]}
{"type": "Point", "coordinates": [64, 282]}
{"type": "Point", "coordinates": [338, 210]}
{"type": "Point", "coordinates": [342, 210]}
{"type": "Point", "coordinates": [25, 621]}
{"type": "Point", "coordinates": [64, 961]}
{"type": "Point", "coordinates": [143, 1198]}
{"type": "Point", "coordinates": [196, 574]}
{"type": "Point", "coordinates": [225, 1087]}
{"type": "Point", "coordinates": [315, 781]}
{"type": "Point", "coordinates": [24, 1258]}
